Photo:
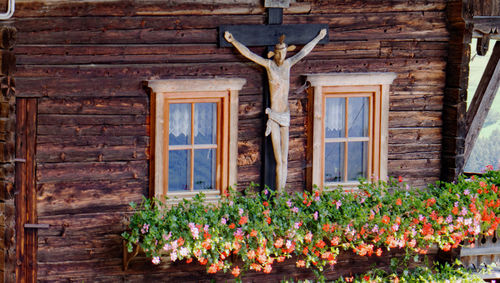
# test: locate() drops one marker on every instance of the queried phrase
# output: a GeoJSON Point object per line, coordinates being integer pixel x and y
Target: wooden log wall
{"type": "Point", "coordinates": [85, 62]}
{"type": "Point", "coordinates": [7, 154]}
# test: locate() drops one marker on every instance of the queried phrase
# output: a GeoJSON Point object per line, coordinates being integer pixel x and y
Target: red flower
{"type": "Point", "coordinates": [189, 260]}
{"type": "Point", "coordinates": [232, 225]}
{"type": "Point", "coordinates": [454, 210]}
{"type": "Point", "coordinates": [212, 268]}
{"type": "Point", "coordinates": [253, 233]}
{"type": "Point", "coordinates": [400, 179]}
{"type": "Point", "coordinates": [268, 220]}
{"type": "Point", "coordinates": [236, 271]}
{"type": "Point", "coordinates": [180, 241]}
{"type": "Point", "coordinates": [386, 219]}
{"type": "Point", "coordinates": [427, 229]}
{"type": "Point", "coordinates": [366, 278]}
{"type": "Point", "coordinates": [243, 220]}
{"type": "Point", "coordinates": [266, 204]}
{"type": "Point", "coordinates": [399, 202]}
{"type": "Point", "coordinates": [320, 244]}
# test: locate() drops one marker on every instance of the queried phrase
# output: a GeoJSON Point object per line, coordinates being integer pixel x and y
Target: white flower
{"type": "Point", "coordinates": [173, 256]}
{"type": "Point", "coordinates": [184, 251]}
{"type": "Point", "coordinates": [156, 260]}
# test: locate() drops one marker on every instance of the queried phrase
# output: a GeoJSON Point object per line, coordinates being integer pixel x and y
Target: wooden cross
{"type": "Point", "coordinates": [268, 35]}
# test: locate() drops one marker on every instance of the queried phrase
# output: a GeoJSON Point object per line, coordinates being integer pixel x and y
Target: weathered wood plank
{"type": "Point", "coordinates": [398, 119]}
{"type": "Point", "coordinates": [92, 130]}
{"type": "Point", "coordinates": [96, 106]}
{"type": "Point", "coordinates": [89, 196]}
{"type": "Point", "coordinates": [226, 68]}
{"type": "Point", "coordinates": [30, 9]}
{"type": "Point", "coordinates": [90, 153]}
{"type": "Point", "coordinates": [85, 171]}
{"type": "Point", "coordinates": [414, 135]}
{"type": "Point", "coordinates": [415, 102]}
{"type": "Point", "coordinates": [21, 189]}
{"type": "Point", "coordinates": [73, 120]}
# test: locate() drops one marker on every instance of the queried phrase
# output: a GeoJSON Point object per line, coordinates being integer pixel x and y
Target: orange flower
{"type": "Point", "coordinates": [251, 254]}
{"type": "Point", "coordinates": [236, 271]}
{"type": "Point", "coordinates": [386, 219]}
{"type": "Point", "coordinates": [280, 259]}
{"type": "Point", "coordinates": [305, 251]}
{"type": "Point", "coordinates": [326, 227]}
{"type": "Point", "coordinates": [268, 220]}
{"type": "Point", "coordinates": [300, 263]}
{"type": "Point", "coordinates": [320, 244]}
{"type": "Point", "coordinates": [253, 233]}
{"type": "Point", "coordinates": [378, 252]}
{"type": "Point", "coordinates": [189, 260]}
{"type": "Point", "coordinates": [335, 241]}
{"type": "Point", "coordinates": [399, 201]}
{"type": "Point", "coordinates": [243, 220]}
{"type": "Point", "coordinates": [232, 225]}
{"type": "Point", "coordinates": [212, 268]}
{"type": "Point", "coordinates": [278, 243]}
{"type": "Point", "coordinates": [180, 241]}
{"type": "Point", "coordinates": [256, 267]}
{"type": "Point", "coordinates": [400, 179]}
{"type": "Point", "coordinates": [203, 260]}
{"type": "Point", "coordinates": [454, 210]}
{"type": "Point", "coordinates": [266, 204]}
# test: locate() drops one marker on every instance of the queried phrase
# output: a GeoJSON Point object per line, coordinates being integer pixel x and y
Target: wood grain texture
{"type": "Point", "coordinates": [85, 62]}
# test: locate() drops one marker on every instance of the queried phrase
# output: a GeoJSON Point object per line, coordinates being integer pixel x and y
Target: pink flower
{"type": "Point", "coordinates": [315, 215]}
{"type": "Point", "coordinates": [156, 260]}
{"type": "Point", "coordinates": [145, 228]}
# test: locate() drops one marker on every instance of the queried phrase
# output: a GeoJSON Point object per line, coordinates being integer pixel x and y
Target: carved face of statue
{"type": "Point", "coordinates": [279, 56]}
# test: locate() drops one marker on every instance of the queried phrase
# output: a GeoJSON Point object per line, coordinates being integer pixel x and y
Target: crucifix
{"type": "Point", "coordinates": [278, 76]}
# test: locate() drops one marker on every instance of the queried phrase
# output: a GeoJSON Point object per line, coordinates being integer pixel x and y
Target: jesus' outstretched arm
{"type": "Point", "coordinates": [244, 50]}
{"type": "Point", "coordinates": [307, 48]}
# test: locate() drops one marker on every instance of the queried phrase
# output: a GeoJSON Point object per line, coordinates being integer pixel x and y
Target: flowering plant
{"type": "Point", "coordinates": [262, 228]}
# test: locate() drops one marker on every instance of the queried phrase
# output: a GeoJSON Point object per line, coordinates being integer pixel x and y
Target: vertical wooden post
{"type": "Point", "coordinates": [26, 239]}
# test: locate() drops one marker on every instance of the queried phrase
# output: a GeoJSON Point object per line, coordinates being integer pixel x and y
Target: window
{"type": "Point", "coordinates": [348, 138]}
{"type": "Point", "coordinates": [194, 136]}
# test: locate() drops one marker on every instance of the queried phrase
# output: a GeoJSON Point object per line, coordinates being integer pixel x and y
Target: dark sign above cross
{"type": "Point", "coordinates": [274, 163]}
{"type": "Point", "coordinates": [268, 35]}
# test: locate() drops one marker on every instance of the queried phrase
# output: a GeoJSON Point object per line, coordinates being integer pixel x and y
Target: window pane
{"type": "Point", "coordinates": [179, 170]}
{"type": "Point", "coordinates": [358, 116]}
{"type": "Point", "coordinates": [334, 162]}
{"type": "Point", "coordinates": [357, 160]}
{"type": "Point", "coordinates": [335, 118]}
{"type": "Point", "coordinates": [179, 124]}
{"type": "Point", "coordinates": [205, 123]}
{"type": "Point", "coordinates": [204, 169]}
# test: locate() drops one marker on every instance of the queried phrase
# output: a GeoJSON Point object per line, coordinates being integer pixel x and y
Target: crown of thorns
{"type": "Point", "coordinates": [281, 44]}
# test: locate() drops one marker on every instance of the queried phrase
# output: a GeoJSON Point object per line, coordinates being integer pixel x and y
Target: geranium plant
{"type": "Point", "coordinates": [262, 228]}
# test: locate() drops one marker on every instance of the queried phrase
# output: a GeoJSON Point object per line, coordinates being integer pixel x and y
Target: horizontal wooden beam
{"type": "Point", "coordinates": [487, 25]}
{"type": "Point", "coordinates": [268, 35]}
{"type": "Point", "coordinates": [483, 98]}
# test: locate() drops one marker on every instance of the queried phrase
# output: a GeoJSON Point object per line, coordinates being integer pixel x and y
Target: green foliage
{"type": "Point", "coordinates": [262, 228]}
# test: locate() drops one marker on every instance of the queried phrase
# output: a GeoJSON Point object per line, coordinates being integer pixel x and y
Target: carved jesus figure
{"type": "Point", "coordinates": [278, 72]}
